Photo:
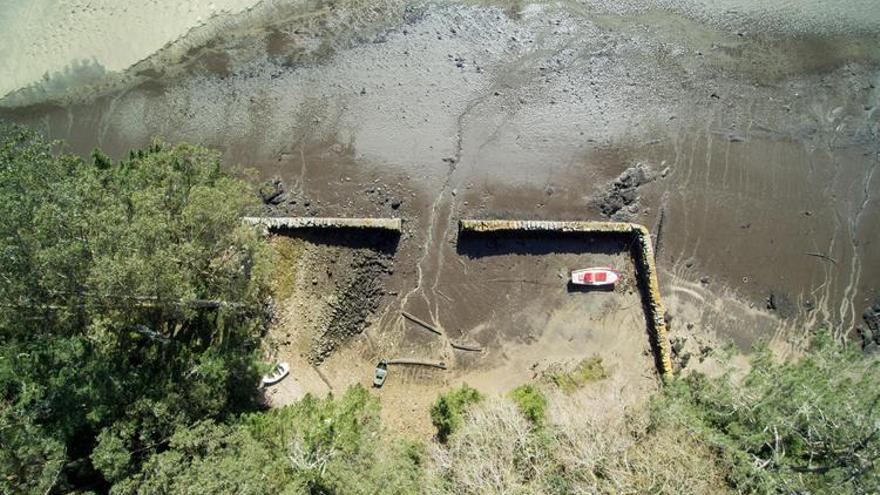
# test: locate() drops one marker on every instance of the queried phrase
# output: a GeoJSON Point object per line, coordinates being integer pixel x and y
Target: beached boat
{"type": "Point", "coordinates": [595, 276]}
{"type": "Point", "coordinates": [276, 375]}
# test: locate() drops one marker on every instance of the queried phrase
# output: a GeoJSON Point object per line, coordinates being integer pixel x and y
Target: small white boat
{"type": "Point", "coordinates": [278, 373]}
{"type": "Point", "coordinates": [598, 276]}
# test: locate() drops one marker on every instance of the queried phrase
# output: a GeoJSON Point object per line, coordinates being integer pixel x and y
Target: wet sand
{"type": "Point", "coordinates": [530, 111]}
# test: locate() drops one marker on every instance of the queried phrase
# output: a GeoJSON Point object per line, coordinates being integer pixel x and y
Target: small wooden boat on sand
{"type": "Point", "coordinates": [597, 276]}
{"type": "Point", "coordinates": [276, 375]}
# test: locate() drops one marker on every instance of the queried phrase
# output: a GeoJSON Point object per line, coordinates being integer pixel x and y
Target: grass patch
{"type": "Point", "coordinates": [288, 252]}
{"type": "Point", "coordinates": [531, 403]}
{"type": "Point", "coordinates": [588, 370]}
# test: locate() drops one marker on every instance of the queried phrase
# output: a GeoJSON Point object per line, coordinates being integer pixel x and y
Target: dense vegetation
{"type": "Point", "coordinates": [132, 303]}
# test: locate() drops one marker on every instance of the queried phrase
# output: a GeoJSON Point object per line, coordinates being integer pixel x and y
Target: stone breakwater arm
{"type": "Point", "coordinates": [390, 224]}
{"type": "Point", "coordinates": [643, 254]}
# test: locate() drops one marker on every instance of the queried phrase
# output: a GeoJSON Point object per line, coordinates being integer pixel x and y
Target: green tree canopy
{"type": "Point", "coordinates": [807, 425]}
{"type": "Point", "coordinates": [131, 301]}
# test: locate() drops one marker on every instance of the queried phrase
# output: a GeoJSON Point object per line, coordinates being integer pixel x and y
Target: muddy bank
{"type": "Point", "coordinates": [443, 111]}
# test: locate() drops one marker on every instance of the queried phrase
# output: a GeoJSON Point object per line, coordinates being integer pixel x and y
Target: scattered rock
{"type": "Point", "coordinates": [685, 359]}
{"type": "Point", "coordinates": [705, 350]}
{"type": "Point", "coordinates": [677, 345]}
{"type": "Point", "coordinates": [359, 290]}
{"type": "Point", "coordinates": [781, 304]}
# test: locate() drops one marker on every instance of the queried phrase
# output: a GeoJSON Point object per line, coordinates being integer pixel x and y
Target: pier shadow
{"type": "Point", "coordinates": [477, 245]}
{"type": "Point", "coordinates": [379, 240]}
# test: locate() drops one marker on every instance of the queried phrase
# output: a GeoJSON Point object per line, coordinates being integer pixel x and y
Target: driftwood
{"type": "Point", "coordinates": [465, 347]}
{"type": "Point", "coordinates": [822, 256]}
{"type": "Point", "coordinates": [422, 323]}
{"type": "Point", "coordinates": [418, 362]}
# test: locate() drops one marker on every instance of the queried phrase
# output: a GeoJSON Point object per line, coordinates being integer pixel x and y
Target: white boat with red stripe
{"type": "Point", "coordinates": [597, 276]}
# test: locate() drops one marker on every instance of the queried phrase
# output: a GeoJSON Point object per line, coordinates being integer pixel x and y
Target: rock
{"type": "Point", "coordinates": [621, 200]}
{"type": "Point", "coordinates": [872, 317]}
{"type": "Point", "coordinates": [272, 191]}
{"type": "Point", "coordinates": [685, 359]}
{"type": "Point", "coordinates": [704, 352]}
{"type": "Point", "coordinates": [704, 280]}
{"type": "Point", "coordinates": [781, 304]}
{"type": "Point", "coordinates": [395, 204]}
{"type": "Point", "coordinates": [677, 345]}
{"type": "Point", "coordinates": [870, 334]}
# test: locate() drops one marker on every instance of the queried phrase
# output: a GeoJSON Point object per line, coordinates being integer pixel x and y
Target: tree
{"type": "Point", "coordinates": [131, 302]}
{"type": "Point", "coordinates": [810, 425]}
{"type": "Point", "coordinates": [320, 446]}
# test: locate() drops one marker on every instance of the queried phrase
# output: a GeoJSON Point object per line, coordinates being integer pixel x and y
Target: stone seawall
{"type": "Point", "coordinates": [391, 224]}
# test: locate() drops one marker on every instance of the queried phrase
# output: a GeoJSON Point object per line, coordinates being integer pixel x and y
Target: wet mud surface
{"type": "Point", "coordinates": [763, 146]}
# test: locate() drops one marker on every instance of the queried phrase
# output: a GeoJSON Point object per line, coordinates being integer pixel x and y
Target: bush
{"type": "Point", "coordinates": [531, 402]}
{"type": "Point", "coordinates": [446, 413]}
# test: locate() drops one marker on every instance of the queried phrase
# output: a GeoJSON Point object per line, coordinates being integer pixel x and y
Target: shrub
{"type": "Point", "coordinates": [531, 402]}
{"type": "Point", "coordinates": [446, 413]}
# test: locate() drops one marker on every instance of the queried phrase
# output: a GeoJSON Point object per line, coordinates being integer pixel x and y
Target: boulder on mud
{"type": "Point", "coordinates": [621, 201]}
{"type": "Point", "coordinates": [272, 191]}
{"type": "Point", "coordinates": [870, 333]}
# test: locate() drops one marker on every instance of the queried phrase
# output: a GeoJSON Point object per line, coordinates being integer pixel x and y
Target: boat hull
{"type": "Point", "coordinates": [595, 277]}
